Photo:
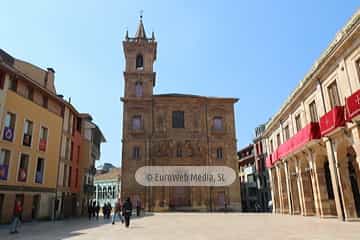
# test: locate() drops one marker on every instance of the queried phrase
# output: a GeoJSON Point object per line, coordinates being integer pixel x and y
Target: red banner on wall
{"type": "Point", "coordinates": [332, 120]}
{"type": "Point", "coordinates": [353, 105]}
{"type": "Point", "coordinates": [305, 135]}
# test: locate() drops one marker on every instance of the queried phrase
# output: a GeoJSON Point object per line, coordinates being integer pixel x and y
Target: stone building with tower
{"type": "Point", "coordinates": [173, 130]}
{"type": "Point", "coordinates": [313, 141]}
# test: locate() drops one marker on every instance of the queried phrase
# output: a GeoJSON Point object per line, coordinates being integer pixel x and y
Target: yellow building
{"type": "Point", "coordinates": [313, 141]}
{"type": "Point", "coordinates": [30, 123]}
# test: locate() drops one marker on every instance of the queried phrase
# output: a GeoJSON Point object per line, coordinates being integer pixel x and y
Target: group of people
{"type": "Point", "coordinates": [123, 211]}
{"type": "Point", "coordinates": [93, 210]}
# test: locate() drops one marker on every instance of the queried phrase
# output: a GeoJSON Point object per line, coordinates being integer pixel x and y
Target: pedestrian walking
{"type": "Point", "coordinates": [138, 208]}
{"type": "Point", "coordinates": [117, 212]}
{"type": "Point", "coordinates": [127, 210]}
{"type": "Point", "coordinates": [104, 210]}
{"type": "Point", "coordinates": [17, 216]}
{"type": "Point", "coordinates": [97, 210]}
{"type": "Point", "coordinates": [94, 209]}
{"type": "Point", "coordinates": [90, 209]}
{"type": "Point", "coordinates": [109, 208]}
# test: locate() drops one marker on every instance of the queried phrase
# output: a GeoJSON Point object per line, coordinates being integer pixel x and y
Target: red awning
{"type": "Point", "coordinates": [332, 120]}
{"type": "Point", "coordinates": [308, 133]}
{"type": "Point", "coordinates": [352, 106]}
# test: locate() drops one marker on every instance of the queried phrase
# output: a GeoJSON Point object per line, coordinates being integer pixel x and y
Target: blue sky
{"type": "Point", "coordinates": [256, 51]}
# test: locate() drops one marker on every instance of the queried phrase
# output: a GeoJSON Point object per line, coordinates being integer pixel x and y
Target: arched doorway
{"type": "Point", "coordinates": [180, 197]}
{"type": "Point", "coordinates": [353, 177]}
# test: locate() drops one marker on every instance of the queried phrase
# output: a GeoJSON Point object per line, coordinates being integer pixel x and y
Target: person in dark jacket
{"type": "Point", "coordinates": [127, 210]}
{"type": "Point", "coordinates": [94, 209]}
{"type": "Point", "coordinates": [138, 208]}
{"type": "Point", "coordinates": [90, 209]}
{"type": "Point", "coordinates": [109, 210]}
{"type": "Point", "coordinates": [104, 210]}
{"type": "Point", "coordinates": [97, 210]}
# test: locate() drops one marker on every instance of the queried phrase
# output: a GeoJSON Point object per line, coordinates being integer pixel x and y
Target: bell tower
{"type": "Point", "coordinates": [139, 77]}
{"type": "Point", "coordinates": [140, 55]}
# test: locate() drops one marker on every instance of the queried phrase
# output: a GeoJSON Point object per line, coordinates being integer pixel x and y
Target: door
{"type": "Point", "coordinates": [181, 197]}
{"type": "Point", "coordinates": [35, 206]}
{"type": "Point", "coordinates": [2, 196]}
{"type": "Point", "coordinates": [354, 187]}
{"type": "Point", "coordinates": [220, 200]}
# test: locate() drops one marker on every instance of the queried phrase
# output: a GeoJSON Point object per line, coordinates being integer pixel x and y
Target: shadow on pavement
{"type": "Point", "coordinates": [59, 229]}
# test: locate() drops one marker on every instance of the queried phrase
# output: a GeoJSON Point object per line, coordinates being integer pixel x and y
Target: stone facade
{"type": "Point", "coordinates": [150, 137]}
{"type": "Point", "coordinates": [313, 140]}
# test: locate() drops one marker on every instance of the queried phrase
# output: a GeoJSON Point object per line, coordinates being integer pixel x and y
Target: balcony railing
{"type": "Point", "coordinates": [304, 136]}
{"type": "Point", "coordinates": [352, 106]}
{"type": "Point", "coordinates": [332, 120]}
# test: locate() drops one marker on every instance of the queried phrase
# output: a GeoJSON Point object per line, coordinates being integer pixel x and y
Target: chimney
{"type": "Point", "coordinates": [49, 79]}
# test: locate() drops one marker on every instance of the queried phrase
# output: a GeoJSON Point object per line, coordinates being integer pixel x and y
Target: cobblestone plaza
{"type": "Point", "coordinates": [195, 226]}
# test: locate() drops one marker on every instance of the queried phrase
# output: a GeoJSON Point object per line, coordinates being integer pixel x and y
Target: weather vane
{"type": "Point", "coordinates": [141, 13]}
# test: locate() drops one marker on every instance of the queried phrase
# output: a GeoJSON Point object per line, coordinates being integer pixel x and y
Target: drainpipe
{"type": "Point", "coordinates": [58, 170]}
{"type": "Point", "coordinates": [334, 161]}
{"type": "Point", "coordinates": [208, 155]}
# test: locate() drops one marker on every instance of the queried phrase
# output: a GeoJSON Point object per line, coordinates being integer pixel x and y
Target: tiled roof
{"type": "Point", "coordinates": [112, 174]}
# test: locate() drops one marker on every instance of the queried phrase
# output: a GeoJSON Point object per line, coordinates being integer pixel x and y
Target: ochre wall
{"type": "Point", "coordinates": [25, 109]}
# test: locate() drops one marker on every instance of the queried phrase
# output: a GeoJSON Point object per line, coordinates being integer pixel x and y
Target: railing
{"type": "Point", "coordinates": [305, 135]}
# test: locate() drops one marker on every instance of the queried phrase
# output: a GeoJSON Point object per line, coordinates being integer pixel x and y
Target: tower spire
{"type": "Point", "coordinates": [140, 33]}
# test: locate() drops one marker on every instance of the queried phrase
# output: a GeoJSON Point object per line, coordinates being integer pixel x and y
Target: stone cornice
{"type": "Point", "coordinates": [352, 26]}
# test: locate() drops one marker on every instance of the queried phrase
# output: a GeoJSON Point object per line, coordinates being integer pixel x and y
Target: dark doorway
{"type": "Point", "coordinates": [180, 197]}
{"type": "Point", "coordinates": [73, 205]}
{"type": "Point", "coordinates": [2, 196]}
{"type": "Point", "coordinates": [354, 186]}
{"type": "Point", "coordinates": [35, 206]}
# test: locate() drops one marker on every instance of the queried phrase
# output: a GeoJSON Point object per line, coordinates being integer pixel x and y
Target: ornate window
{"type": "Point", "coordinates": [28, 129]}
{"type": "Point", "coordinates": [313, 112]}
{"type": "Point", "coordinates": [298, 122]}
{"type": "Point", "coordinates": [178, 119]}
{"type": "Point", "coordinates": [219, 153]}
{"type": "Point", "coordinates": [286, 132]}
{"type": "Point", "coordinates": [138, 89]}
{"type": "Point", "coordinates": [9, 126]}
{"type": "Point", "coordinates": [136, 122]}
{"type": "Point", "coordinates": [23, 167]}
{"type": "Point", "coordinates": [39, 174]}
{"type": "Point", "coordinates": [4, 163]}
{"type": "Point", "coordinates": [218, 123]}
{"type": "Point", "coordinates": [278, 140]}
{"type": "Point", "coordinates": [333, 95]}
{"type": "Point", "coordinates": [139, 62]}
{"type": "Point", "coordinates": [136, 153]}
